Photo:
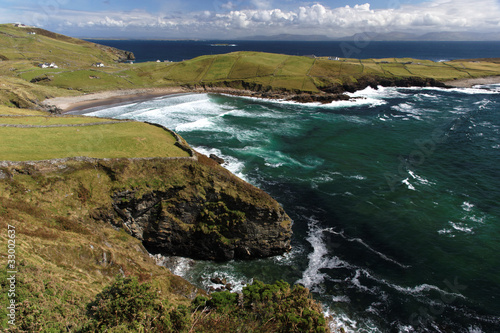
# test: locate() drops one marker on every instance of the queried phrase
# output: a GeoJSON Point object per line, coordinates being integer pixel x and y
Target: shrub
{"type": "Point", "coordinates": [129, 306]}
{"type": "Point", "coordinates": [263, 308]}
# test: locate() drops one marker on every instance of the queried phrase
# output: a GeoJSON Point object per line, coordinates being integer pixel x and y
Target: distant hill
{"type": "Point", "coordinates": [387, 36]}
{"type": "Point", "coordinates": [431, 36]}
{"type": "Point", "coordinates": [35, 44]}
{"type": "Point", "coordinates": [289, 37]}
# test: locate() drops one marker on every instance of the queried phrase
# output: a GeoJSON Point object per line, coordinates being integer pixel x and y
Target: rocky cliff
{"type": "Point", "coordinates": [188, 207]}
{"type": "Point", "coordinates": [212, 215]}
{"type": "Point", "coordinates": [326, 94]}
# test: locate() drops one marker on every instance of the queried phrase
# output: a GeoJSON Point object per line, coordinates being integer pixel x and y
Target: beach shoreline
{"type": "Point", "coordinates": [469, 83]}
{"type": "Point", "coordinates": [95, 101]}
{"type": "Point", "coordinates": [83, 103]}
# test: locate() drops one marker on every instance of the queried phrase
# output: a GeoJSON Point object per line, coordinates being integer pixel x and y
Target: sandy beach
{"type": "Point", "coordinates": [79, 104]}
{"type": "Point", "coordinates": [109, 98]}
{"type": "Point", "coordinates": [469, 83]}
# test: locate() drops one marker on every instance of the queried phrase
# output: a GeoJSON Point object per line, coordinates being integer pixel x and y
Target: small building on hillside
{"type": "Point", "coordinates": [98, 64]}
{"type": "Point", "coordinates": [48, 65]}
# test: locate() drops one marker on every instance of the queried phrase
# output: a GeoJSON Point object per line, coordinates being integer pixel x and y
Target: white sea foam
{"type": "Point", "coordinates": [341, 299]}
{"type": "Point", "coordinates": [231, 163]}
{"type": "Point", "coordinates": [357, 177]}
{"type": "Point", "coordinates": [461, 227]}
{"type": "Point", "coordinates": [446, 232]}
{"type": "Point", "coordinates": [408, 184]}
{"type": "Point", "coordinates": [360, 241]}
{"type": "Point", "coordinates": [467, 206]}
{"type": "Point", "coordinates": [182, 266]}
{"type": "Point", "coordinates": [199, 124]}
{"type": "Point", "coordinates": [420, 179]}
{"type": "Point", "coordinates": [357, 99]}
{"type": "Point", "coordinates": [341, 320]}
{"type": "Point", "coordinates": [377, 94]}
{"type": "Point", "coordinates": [319, 258]}
{"type": "Point", "coordinates": [419, 290]}
{"type": "Point", "coordinates": [469, 91]}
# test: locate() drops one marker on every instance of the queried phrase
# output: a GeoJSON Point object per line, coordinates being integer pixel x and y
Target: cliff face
{"type": "Point", "coordinates": [180, 206]}
{"type": "Point", "coordinates": [188, 207]}
{"type": "Point", "coordinates": [211, 215]}
{"type": "Point", "coordinates": [214, 226]}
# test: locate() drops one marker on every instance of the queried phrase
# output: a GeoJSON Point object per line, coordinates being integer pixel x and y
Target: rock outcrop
{"type": "Point", "coordinates": [216, 226]}
{"type": "Point", "coordinates": [326, 94]}
{"type": "Point", "coordinates": [211, 214]}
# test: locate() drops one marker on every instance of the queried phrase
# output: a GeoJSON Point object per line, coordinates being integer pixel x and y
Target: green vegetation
{"type": "Point", "coordinates": [262, 308]}
{"type": "Point", "coordinates": [129, 306]}
{"type": "Point", "coordinates": [26, 85]}
{"type": "Point", "coordinates": [118, 140]}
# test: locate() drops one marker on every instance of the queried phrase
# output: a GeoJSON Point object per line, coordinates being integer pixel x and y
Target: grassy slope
{"type": "Point", "coordinates": [117, 140]}
{"type": "Point", "coordinates": [239, 70]}
{"type": "Point", "coordinates": [66, 253]}
{"type": "Point", "coordinates": [65, 257]}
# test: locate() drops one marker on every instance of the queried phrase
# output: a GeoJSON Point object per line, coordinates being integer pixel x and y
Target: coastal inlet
{"type": "Point", "coordinates": [416, 254]}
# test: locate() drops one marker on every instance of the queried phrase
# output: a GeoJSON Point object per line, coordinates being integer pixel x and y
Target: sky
{"type": "Point", "coordinates": [232, 19]}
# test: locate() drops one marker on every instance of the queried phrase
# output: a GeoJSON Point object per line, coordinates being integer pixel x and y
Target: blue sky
{"type": "Point", "coordinates": [239, 18]}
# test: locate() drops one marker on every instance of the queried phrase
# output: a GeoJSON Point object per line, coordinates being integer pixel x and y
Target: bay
{"type": "Point", "coordinates": [394, 197]}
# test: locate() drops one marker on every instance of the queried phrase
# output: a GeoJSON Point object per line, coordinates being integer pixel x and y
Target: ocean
{"type": "Point", "coordinates": [153, 50]}
{"type": "Point", "coordinates": [394, 197]}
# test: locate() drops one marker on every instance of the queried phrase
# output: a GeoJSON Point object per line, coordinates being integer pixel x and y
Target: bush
{"type": "Point", "coordinates": [129, 306]}
{"type": "Point", "coordinates": [262, 308]}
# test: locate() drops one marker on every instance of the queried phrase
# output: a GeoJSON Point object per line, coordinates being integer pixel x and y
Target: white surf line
{"type": "Point", "coordinates": [360, 241]}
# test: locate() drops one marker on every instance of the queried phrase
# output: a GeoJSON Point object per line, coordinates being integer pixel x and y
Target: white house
{"type": "Point", "coordinates": [47, 65]}
{"type": "Point", "coordinates": [98, 64]}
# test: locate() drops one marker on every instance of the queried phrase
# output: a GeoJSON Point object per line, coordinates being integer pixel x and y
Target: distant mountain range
{"type": "Point", "coordinates": [289, 37]}
{"type": "Point", "coordinates": [390, 36]}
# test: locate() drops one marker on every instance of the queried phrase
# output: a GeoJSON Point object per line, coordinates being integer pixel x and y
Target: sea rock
{"type": "Point", "coordinates": [218, 280]}
{"type": "Point", "coordinates": [217, 158]}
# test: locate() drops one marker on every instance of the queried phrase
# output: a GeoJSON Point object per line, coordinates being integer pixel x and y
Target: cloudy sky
{"type": "Point", "coordinates": [223, 19]}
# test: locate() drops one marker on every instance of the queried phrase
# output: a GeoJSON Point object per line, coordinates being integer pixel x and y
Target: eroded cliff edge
{"type": "Point", "coordinates": [179, 206]}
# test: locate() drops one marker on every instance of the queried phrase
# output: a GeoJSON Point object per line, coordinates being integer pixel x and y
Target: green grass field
{"type": "Point", "coordinates": [120, 140]}
{"type": "Point", "coordinates": [47, 120]}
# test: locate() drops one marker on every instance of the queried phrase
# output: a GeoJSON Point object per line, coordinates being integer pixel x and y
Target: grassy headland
{"type": "Point", "coordinates": [25, 84]}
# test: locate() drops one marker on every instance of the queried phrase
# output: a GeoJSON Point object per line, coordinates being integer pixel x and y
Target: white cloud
{"type": "Point", "coordinates": [436, 15]}
{"type": "Point", "coordinates": [228, 6]}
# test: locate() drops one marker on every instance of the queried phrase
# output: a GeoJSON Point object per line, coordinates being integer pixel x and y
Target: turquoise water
{"type": "Point", "coordinates": [394, 196]}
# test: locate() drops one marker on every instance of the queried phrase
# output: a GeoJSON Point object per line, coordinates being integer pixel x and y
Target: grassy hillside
{"type": "Point", "coordinates": [25, 84]}
{"type": "Point", "coordinates": [67, 253]}
{"type": "Point", "coordinates": [43, 138]}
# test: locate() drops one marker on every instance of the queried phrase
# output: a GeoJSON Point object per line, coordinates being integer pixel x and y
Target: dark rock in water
{"type": "Point", "coordinates": [217, 280]}
{"type": "Point", "coordinates": [217, 158]}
